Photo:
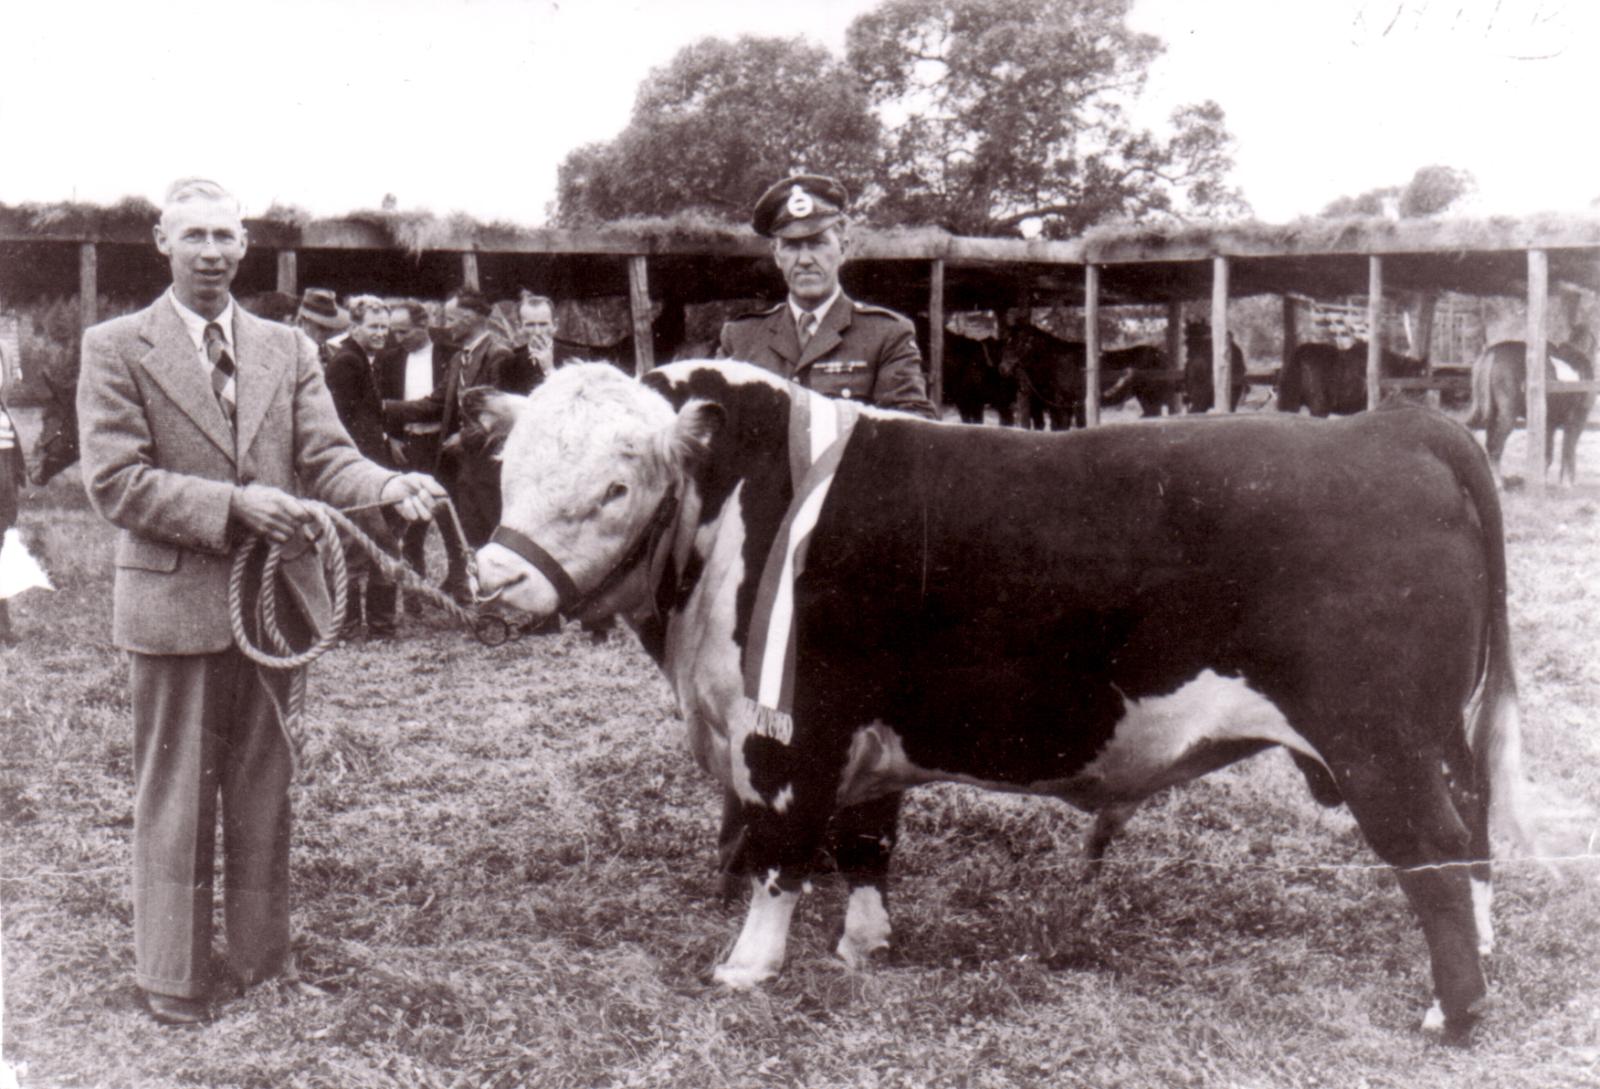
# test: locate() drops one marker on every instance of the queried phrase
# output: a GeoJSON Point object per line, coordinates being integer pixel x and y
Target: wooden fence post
{"type": "Point", "coordinates": [1288, 386]}
{"type": "Point", "coordinates": [644, 349]}
{"type": "Point", "coordinates": [288, 272]}
{"type": "Point", "coordinates": [1374, 330]}
{"type": "Point", "coordinates": [1427, 307]}
{"type": "Point", "coordinates": [1538, 337]}
{"type": "Point", "coordinates": [936, 334]}
{"type": "Point", "coordinates": [1221, 368]}
{"type": "Point", "coordinates": [469, 272]}
{"type": "Point", "coordinates": [1175, 347]}
{"type": "Point", "coordinates": [1091, 345]}
{"type": "Point", "coordinates": [88, 285]}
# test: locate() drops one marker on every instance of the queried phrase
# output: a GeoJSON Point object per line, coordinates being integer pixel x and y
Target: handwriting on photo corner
{"type": "Point", "coordinates": [1521, 29]}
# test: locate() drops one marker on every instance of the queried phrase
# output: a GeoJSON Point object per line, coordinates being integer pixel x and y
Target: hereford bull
{"type": "Point", "coordinates": [849, 602]}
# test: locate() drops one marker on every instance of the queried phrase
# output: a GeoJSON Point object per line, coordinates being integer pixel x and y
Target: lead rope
{"type": "Point", "coordinates": [277, 653]}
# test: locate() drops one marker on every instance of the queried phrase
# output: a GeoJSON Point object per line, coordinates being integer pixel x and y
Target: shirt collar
{"type": "Point", "coordinates": [483, 335]}
{"type": "Point", "coordinates": [821, 311]}
{"type": "Point", "coordinates": [196, 325]}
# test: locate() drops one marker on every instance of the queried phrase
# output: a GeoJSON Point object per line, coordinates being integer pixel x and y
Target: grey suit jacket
{"type": "Point", "coordinates": [160, 463]}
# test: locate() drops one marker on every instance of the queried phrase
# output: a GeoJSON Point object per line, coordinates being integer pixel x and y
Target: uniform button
{"type": "Point", "coordinates": [845, 394]}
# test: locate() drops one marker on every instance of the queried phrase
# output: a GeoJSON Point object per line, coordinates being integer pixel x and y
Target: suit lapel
{"type": "Point", "coordinates": [258, 374]}
{"type": "Point", "coordinates": [175, 366]}
{"type": "Point", "coordinates": [829, 334]}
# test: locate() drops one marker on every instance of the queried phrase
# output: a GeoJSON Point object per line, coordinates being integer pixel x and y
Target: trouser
{"type": "Point", "coordinates": [366, 574]}
{"type": "Point", "coordinates": [422, 453]}
{"type": "Point", "coordinates": [207, 731]}
{"type": "Point", "coordinates": [472, 477]}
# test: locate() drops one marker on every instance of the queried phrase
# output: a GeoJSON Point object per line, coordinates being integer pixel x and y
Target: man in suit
{"type": "Point", "coordinates": [353, 384]}
{"type": "Point", "coordinates": [409, 369]}
{"type": "Point", "coordinates": [820, 337]}
{"type": "Point", "coordinates": [479, 359]}
{"type": "Point", "coordinates": [200, 422]}
{"type": "Point", "coordinates": [539, 348]}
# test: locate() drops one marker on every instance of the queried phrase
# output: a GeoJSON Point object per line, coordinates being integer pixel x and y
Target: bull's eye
{"type": "Point", "coordinates": [616, 491]}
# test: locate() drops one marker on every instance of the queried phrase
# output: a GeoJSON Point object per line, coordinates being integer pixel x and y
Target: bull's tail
{"type": "Point", "coordinates": [1494, 728]}
{"type": "Point", "coordinates": [1482, 368]}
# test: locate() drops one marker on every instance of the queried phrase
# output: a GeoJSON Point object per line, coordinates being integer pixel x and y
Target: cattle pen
{"type": "Point", "coordinates": [663, 268]}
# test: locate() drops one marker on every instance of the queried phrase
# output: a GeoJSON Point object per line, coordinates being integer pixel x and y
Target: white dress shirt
{"type": "Point", "coordinates": [196, 325]}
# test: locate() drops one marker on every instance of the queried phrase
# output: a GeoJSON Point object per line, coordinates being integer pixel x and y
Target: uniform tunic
{"type": "Point", "coordinates": [859, 352]}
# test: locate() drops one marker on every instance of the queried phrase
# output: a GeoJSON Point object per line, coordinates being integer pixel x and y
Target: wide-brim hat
{"type": "Point", "coordinates": [799, 206]}
{"type": "Point", "coordinates": [320, 306]}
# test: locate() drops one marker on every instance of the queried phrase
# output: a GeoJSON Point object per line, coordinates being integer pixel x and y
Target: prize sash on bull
{"type": "Point", "coordinates": [1093, 616]}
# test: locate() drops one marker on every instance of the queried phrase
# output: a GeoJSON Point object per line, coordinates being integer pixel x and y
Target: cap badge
{"type": "Point", "coordinates": [800, 204]}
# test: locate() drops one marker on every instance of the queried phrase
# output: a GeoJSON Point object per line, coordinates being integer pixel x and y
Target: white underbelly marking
{"type": "Point", "coordinates": [1158, 731]}
{"type": "Point", "coordinates": [1564, 370]}
{"type": "Point", "coordinates": [1154, 734]}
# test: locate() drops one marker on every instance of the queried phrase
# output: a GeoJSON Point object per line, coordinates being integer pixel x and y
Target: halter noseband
{"type": "Point", "coordinates": [570, 601]}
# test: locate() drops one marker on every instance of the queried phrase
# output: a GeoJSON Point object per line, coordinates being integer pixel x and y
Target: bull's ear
{"type": "Point", "coordinates": [491, 411]}
{"type": "Point", "coordinates": [697, 424]}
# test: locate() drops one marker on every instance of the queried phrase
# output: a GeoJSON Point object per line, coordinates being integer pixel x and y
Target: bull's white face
{"type": "Point", "coordinates": [585, 464]}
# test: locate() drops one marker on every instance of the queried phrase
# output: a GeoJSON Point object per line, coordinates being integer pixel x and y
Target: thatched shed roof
{"type": "Point", "coordinates": [695, 259]}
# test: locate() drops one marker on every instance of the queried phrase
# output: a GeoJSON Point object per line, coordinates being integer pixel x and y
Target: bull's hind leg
{"type": "Point", "coordinates": [1404, 805]}
{"type": "Point", "coordinates": [863, 841]}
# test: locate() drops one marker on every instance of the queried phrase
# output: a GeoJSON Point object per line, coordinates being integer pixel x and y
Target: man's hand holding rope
{"type": "Point", "coordinates": [414, 495]}
{"type": "Point", "coordinates": [264, 511]}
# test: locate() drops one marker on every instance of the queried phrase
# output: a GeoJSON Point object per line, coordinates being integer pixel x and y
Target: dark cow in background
{"type": "Point", "coordinates": [1052, 376]}
{"type": "Point", "coordinates": [1199, 388]}
{"type": "Point", "coordinates": [1332, 381]}
{"type": "Point", "coordinates": [974, 379]}
{"type": "Point", "coordinates": [1499, 397]}
{"type": "Point", "coordinates": [1049, 372]}
{"type": "Point", "coordinates": [1146, 378]}
{"type": "Point", "coordinates": [1169, 606]}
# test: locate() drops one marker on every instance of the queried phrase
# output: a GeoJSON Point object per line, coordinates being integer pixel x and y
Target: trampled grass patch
{"type": "Point", "coordinates": [504, 876]}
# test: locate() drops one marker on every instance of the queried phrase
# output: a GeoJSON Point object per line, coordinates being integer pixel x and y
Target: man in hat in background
{"type": "Point", "coordinates": [820, 337]}
{"type": "Point", "coordinates": [321, 319]}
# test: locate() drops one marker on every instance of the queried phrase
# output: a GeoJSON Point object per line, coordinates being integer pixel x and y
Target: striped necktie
{"type": "Point", "coordinates": [222, 369]}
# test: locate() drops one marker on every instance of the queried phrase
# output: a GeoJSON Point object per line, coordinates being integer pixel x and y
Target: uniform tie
{"type": "Point", "coordinates": [222, 369]}
{"type": "Point", "coordinates": [808, 325]}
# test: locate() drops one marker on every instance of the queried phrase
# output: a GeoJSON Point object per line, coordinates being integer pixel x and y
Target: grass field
{"type": "Point", "coordinates": [504, 876]}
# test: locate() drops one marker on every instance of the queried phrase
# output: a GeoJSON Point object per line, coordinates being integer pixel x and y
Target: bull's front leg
{"type": "Point", "coordinates": [777, 845]}
{"type": "Point", "coordinates": [758, 954]}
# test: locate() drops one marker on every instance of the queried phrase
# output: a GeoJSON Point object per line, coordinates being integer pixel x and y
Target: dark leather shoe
{"type": "Point", "coordinates": [171, 1009]}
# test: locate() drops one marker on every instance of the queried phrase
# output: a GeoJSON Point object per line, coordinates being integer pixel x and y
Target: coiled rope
{"type": "Point", "coordinates": [274, 651]}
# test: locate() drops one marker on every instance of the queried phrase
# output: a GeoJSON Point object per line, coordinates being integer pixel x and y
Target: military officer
{"type": "Point", "coordinates": [819, 336]}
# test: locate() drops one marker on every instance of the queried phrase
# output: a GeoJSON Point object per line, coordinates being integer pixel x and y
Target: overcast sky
{"type": "Point", "coordinates": [470, 105]}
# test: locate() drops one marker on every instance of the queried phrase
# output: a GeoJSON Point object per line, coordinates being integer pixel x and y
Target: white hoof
{"type": "Point", "coordinates": [1433, 1020]}
{"type": "Point", "coordinates": [742, 977]}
